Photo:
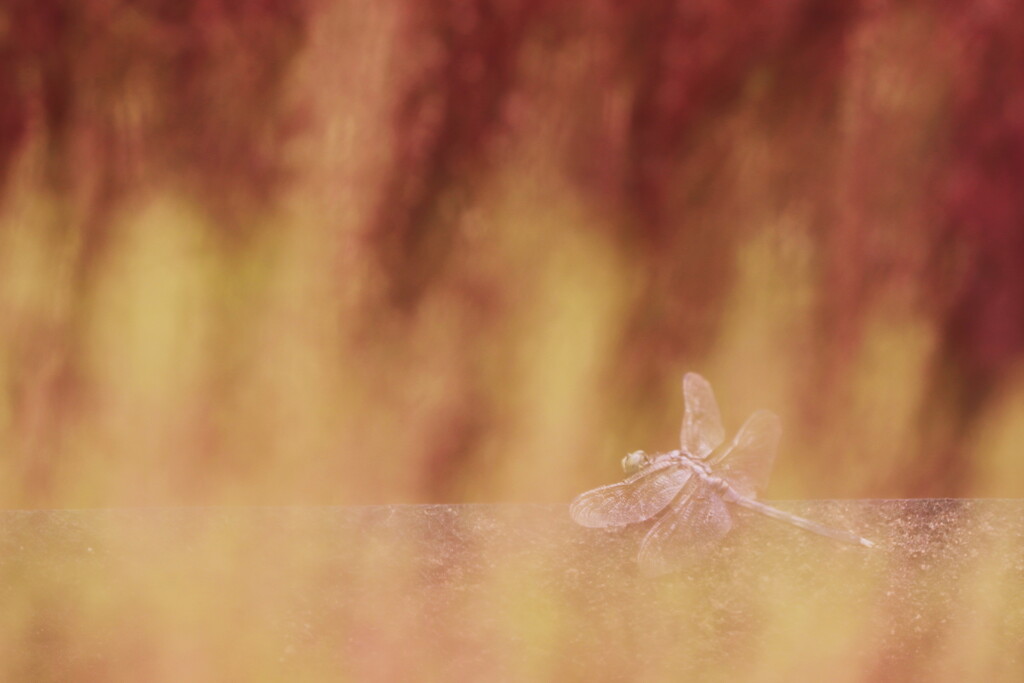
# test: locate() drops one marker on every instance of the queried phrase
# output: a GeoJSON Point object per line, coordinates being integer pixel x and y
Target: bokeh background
{"type": "Point", "coordinates": [298, 251]}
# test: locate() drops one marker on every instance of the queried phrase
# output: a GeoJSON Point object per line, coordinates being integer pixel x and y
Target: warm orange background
{"type": "Point", "coordinates": [363, 252]}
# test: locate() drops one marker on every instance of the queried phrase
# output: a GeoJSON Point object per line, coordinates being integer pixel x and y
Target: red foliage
{"type": "Point", "coordinates": [121, 97]}
{"type": "Point", "coordinates": [126, 95]}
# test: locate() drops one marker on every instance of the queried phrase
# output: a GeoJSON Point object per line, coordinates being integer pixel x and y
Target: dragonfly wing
{"type": "Point", "coordinates": [702, 424]}
{"type": "Point", "coordinates": [747, 463]}
{"type": "Point", "coordinates": [640, 497]}
{"type": "Point", "coordinates": [697, 518]}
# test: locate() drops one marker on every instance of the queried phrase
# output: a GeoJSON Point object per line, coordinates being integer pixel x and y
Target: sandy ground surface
{"type": "Point", "coordinates": [508, 592]}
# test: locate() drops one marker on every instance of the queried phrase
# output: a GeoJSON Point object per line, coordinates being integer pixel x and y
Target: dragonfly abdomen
{"type": "Point", "coordinates": [806, 524]}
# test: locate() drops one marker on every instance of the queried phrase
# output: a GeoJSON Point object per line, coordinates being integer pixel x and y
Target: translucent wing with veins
{"type": "Point", "coordinates": [698, 517]}
{"type": "Point", "coordinates": [747, 462]}
{"type": "Point", "coordinates": [702, 430]}
{"type": "Point", "coordinates": [639, 497]}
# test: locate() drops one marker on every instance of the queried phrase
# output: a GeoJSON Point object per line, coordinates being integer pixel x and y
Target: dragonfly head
{"type": "Point", "coordinates": [635, 461]}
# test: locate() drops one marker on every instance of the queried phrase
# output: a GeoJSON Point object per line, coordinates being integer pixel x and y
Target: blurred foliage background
{"type": "Point", "coordinates": [298, 251]}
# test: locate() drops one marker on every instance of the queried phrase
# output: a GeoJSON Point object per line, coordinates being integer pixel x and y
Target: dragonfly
{"type": "Point", "coordinates": [688, 491]}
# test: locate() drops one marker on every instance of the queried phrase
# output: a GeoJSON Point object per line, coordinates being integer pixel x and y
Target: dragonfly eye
{"type": "Point", "coordinates": [635, 461]}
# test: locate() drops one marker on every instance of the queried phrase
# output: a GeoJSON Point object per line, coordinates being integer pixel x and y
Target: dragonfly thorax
{"type": "Point", "coordinates": [703, 470]}
{"type": "Point", "coordinates": [697, 466]}
{"type": "Point", "coordinates": [640, 460]}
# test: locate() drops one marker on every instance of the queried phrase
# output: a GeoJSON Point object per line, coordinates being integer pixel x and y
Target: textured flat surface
{"type": "Point", "coordinates": [484, 592]}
